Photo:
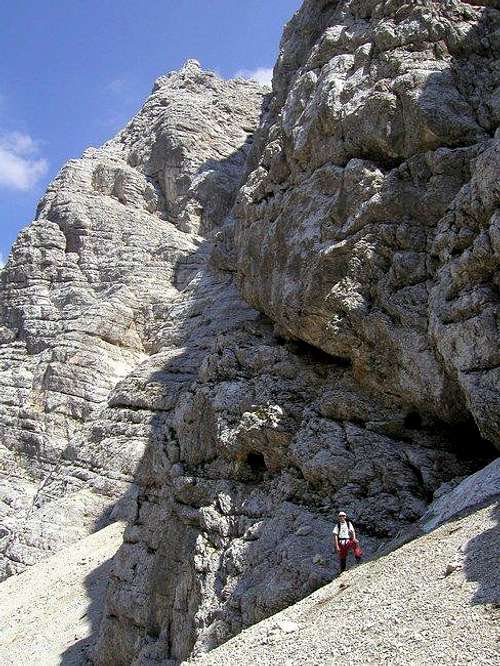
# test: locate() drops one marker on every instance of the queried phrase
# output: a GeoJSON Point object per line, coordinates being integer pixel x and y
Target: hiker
{"type": "Point", "coordinates": [344, 539]}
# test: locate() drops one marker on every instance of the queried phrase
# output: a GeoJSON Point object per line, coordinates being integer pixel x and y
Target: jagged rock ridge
{"type": "Point", "coordinates": [234, 435]}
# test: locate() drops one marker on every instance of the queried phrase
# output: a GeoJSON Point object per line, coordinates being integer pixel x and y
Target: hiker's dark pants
{"type": "Point", "coordinates": [344, 548]}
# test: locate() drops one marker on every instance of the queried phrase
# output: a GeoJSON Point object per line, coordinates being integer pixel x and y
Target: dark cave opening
{"type": "Point", "coordinates": [413, 421]}
{"type": "Point", "coordinates": [463, 438]}
{"type": "Point", "coordinates": [468, 442]}
{"type": "Point", "coordinates": [314, 354]}
{"type": "Point", "coordinates": [256, 462]}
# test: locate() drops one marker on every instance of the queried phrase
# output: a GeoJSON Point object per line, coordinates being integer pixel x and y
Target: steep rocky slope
{"type": "Point", "coordinates": [436, 600]}
{"type": "Point", "coordinates": [412, 608]}
{"type": "Point", "coordinates": [50, 612]}
{"type": "Point", "coordinates": [377, 152]}
{"type": "Point", "coordinates": [234, 374]}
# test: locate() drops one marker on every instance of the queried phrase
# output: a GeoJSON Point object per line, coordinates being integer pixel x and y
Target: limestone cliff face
{"type": "Point", "coordinates": [365, 171]}
{"type": "Point", "coordinates": [373, 211]}
{"type": "Point", "coordinates": [238, 373]}
{"type": "Point", "coordinates": [86, 298]}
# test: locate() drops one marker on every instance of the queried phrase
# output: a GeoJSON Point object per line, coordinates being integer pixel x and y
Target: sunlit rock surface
{"type": "Point", "coordinates": [247, 311]}
{"type": "Point", "coordinates": [86, 298]}
{"type": "Point", "coordinates": [373, 211]}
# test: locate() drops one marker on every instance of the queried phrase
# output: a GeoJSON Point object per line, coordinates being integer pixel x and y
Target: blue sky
{"type": "Point", "coordinates": [73, 72]}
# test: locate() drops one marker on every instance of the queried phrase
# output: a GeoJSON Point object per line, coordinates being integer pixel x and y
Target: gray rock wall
{"type": "Point", "coordinates": [227, 377]}
{"type": "Point", "coordinates": [86, 296]}
{"type": "Point", "coordinates": [373, 209]}
{"type": "Point", "coordinates": [369, 143]}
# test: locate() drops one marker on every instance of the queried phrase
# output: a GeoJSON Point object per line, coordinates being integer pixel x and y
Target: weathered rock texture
{"type": "Point", "coordinates": [86, 298]}
{"type": "Point", "coordinates": [380, 129]}
{"type": "Point", "coordinates": [373, 212]}
{"type": "Point", "coordinates": [359, 369]}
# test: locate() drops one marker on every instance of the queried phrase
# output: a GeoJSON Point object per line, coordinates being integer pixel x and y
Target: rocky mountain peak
{"type": "Point", "coordinates": [246, 311]}
{"type": "Point", "coordinates": [190, 66]}
{"type": "Point", "coordinates": [88, 287]}
{"type": "Point", "coordinates": [190, 72]}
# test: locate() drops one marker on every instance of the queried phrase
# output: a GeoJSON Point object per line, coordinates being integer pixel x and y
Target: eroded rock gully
{"type": "Point", "coordinates": [236, 373]}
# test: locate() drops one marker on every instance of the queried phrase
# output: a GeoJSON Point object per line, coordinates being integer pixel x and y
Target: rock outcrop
{"type": "Point", "coordinates": [480, 489]}
{"type": "Point", "coordinates": [346, 396]}
{"type": "Point", "coordinates": [373, 211]}
{"type": "Point", "coordinates": [248, 310]}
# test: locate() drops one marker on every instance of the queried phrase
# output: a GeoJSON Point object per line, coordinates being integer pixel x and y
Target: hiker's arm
{"type": "Point", "coordinates": [336, 542]}
{"type": "Point", "coordinates": [353, 532]}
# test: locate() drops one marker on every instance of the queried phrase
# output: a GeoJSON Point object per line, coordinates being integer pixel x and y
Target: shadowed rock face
{"type": "Point", "coordinates": [426, 613]}
{"type": "Point", "coordinates": [236, 433]}
{"type": "Point", "coordinates": [345, 397]}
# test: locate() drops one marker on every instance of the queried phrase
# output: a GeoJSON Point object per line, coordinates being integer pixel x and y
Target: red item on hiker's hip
{"type": "Point", "coordinates": [346, 546]}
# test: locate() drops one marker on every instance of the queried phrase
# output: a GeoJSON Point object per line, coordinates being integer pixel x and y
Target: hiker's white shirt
{"type": "Point", "coordinates": [344, 530]}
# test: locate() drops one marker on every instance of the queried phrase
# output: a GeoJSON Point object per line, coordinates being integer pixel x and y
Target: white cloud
{"type": "Point", "coordinates": [119, 86]}
{"type": "Point", "coordinates": [2, 260]}
{"type": "Point", "coordinates": [20, 165]}
{"type": "Point", "coordinates": [263, 75]}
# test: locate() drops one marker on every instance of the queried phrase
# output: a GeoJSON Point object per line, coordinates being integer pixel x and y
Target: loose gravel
{"type": "Point", "coordinates": [436, 600]}
{"type": "Point", "coordinates": [48, 614]}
